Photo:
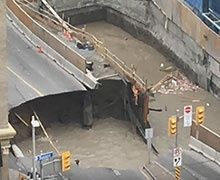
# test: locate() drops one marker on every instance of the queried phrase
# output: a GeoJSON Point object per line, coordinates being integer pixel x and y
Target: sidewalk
{"type": "Point", "coordinates": [157, 171]}
{"type": "Point", "coordinates": [194, 166]}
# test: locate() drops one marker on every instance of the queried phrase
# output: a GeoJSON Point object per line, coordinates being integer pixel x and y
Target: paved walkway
{"type": "Point", "coordinates": [157, 171]}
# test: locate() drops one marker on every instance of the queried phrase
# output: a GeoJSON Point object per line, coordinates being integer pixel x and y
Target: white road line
{"type": "Point", "coordinates": [144, 174]}
{"type": "Point", "coordinates": [30, 86]}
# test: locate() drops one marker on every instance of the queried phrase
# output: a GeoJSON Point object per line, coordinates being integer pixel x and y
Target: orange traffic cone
{"type": "Point", "coordinates": [39, 49]}
{"type": "Point", "coordinates": [70, 37]}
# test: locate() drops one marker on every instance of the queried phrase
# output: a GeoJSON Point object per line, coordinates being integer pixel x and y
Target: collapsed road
{"type": "Point", "coordinates": [65, 105]}
{"type": "Point", "coordinates": [68, 100]}
{"type": "Point", "coordinates": [32, 74]}
{"type": "Point", "coordinates": [132, 102]}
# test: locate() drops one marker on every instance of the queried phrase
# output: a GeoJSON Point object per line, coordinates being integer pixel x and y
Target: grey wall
{"type": "Point", "coordinates": [61, 5]}
{"type": "Point", "coordinates": [146, 22]}
{"type": "Point", "coordinates": [3, 70]}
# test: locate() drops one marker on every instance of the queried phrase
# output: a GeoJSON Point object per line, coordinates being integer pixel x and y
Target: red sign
{"type": "Point", "coordinates": [187, 116]}
{"type": "Point", "coordinates": [188, 109]}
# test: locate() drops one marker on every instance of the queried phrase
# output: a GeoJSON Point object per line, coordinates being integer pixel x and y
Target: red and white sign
{"type": "Point", "coordinates": [177, 157]}
{"type": "Point", "coordinates": [177, 151]}
{"type": "Point", "coordinates": [188, 116]}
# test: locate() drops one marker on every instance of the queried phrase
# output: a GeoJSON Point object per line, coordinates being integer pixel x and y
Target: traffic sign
{"type": "Point", "coordinates": [177, 161]}
{"type": "Point", "coordinates": [44, 156]}
{"type": "Point", "coordinates": [177, 152]}
{"type": "Point", "coordinates": [177, 157]}
{"type": "Point", "coordinates": [188, 116]}
{"type": "Point", "coordinates": [148, 133]}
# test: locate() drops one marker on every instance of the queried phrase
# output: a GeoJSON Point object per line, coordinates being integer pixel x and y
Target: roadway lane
{"type": "Point", "coordinates": [32, 74]}
{"type": "Point", "coordinates": [103, 174]}
{"type": "Point", "coordinates": [194, 166]}
{"type": "Point", "coordinates": [24, 165]}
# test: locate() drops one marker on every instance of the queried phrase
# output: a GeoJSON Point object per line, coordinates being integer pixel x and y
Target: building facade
{"type": "Point", "coordinates": [6, 130]}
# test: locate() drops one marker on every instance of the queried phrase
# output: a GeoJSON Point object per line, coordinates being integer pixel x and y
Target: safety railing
{"type": "Point", "coordinates": [120, 66]}
{"type": "Point", "coordinates": [54, 42]}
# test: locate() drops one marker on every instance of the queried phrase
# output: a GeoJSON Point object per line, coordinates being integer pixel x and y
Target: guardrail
{"type": "Point", "coordinates": [37, 29]}
{"type": "Point", "coordinates": [116, 62]}
{"type": "Point", "coordinates": [82, 35]}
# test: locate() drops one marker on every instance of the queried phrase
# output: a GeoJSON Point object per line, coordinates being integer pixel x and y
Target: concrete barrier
{"type": "Point", "coordinates": [195, 144]}
{"type": "Point", "coordinates": [82, 35]}
{"type": "Point", "coordinates": [208, 152]}
{"type": "Point", "coordinates": [204, 149]}
{"type": "Point", "coordinates": [206, 136]}
{"type": "Point", "coordinates": [51, 53]}
{"type": "Point", "coordinates": [37, 29]}
{"type": "Point", "coordinates": [208, 142]}
{"type": "Point", "coordinates": [217, 157]}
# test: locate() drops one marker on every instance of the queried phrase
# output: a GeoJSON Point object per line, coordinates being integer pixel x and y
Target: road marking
{"type": "Point", "coordinates": [144, 174]}
{"type": "Point", "coordinates": [162, 167]}
{"type": "Point", "coordinates": [30, 86]}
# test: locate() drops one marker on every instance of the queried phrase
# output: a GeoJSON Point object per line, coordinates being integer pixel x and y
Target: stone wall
{"type": "Point", "coordinates": [147, 22]}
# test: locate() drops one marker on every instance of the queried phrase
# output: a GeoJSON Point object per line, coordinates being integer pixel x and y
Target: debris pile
{"type": "Point", "coordinates": [176, 83]}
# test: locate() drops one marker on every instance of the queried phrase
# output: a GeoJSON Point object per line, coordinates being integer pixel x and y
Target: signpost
{"type": "Point", "coordinates": [188, 116]}
{"type": "Point", "coordinates": [149, 136]}
{"type": "Point", "coordinates": [34, 124]}
{"type": "Point", "coordinates": [43, 157]}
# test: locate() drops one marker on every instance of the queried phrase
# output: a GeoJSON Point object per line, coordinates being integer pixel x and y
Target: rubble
{"type": "Point", "coordinates": [177, 83]}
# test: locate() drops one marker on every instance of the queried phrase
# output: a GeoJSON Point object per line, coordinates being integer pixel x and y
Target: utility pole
{"type": "Point", "coordinates": [178, 167]}
{"type": "Point", "coordinates": [34, 124]}
{"type": "Point", "coordinates": [148, 137]}
{"type": "Point", "coordinates": [177, 120]}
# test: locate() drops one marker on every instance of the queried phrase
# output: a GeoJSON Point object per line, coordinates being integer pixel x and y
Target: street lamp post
{"type": "Point", "coordinates": [34, 124]}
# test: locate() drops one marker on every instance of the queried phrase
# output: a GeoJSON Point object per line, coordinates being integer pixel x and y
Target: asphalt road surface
{"type": "Point", "coordinates": [194, 166]}
{"type": "Point", "coordinates": [79, 173]}
{"type": "Point", "coordinates": [32, 74]}
{"type": "Point", "coordinates": [104, 174]}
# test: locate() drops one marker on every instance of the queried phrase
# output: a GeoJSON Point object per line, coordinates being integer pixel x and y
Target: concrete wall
{"type": "Point", "coordinates": [67, 52]}
{"type": "Point", "coordinates": [61, 5]}
{"type": "Point", "coordinates": [206, 136]}
{"type": "Point", "coordinates": [207, 142]}
{"type": "Point", "coordinates": [174, 29]}
{"type": "Point", "coordinates": [3, 70]}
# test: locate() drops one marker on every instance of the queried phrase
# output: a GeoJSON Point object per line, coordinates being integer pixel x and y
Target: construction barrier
{"type": "Point", "coordinates": [205, 141]}
{"type": "Point", "coordinates": [206, 136]}
{"type": "Point", "coordinates": [54, 42]}
{"type": "Point", "coordinates": [77, 33]}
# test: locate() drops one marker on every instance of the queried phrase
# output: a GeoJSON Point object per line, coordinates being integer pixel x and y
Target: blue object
{"type": "Point", "coordinates": [196, 5]}
{"type": "Point", "coordinates": [44, 156]}
{"type": "Point", "coordinates": [214, 5]}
